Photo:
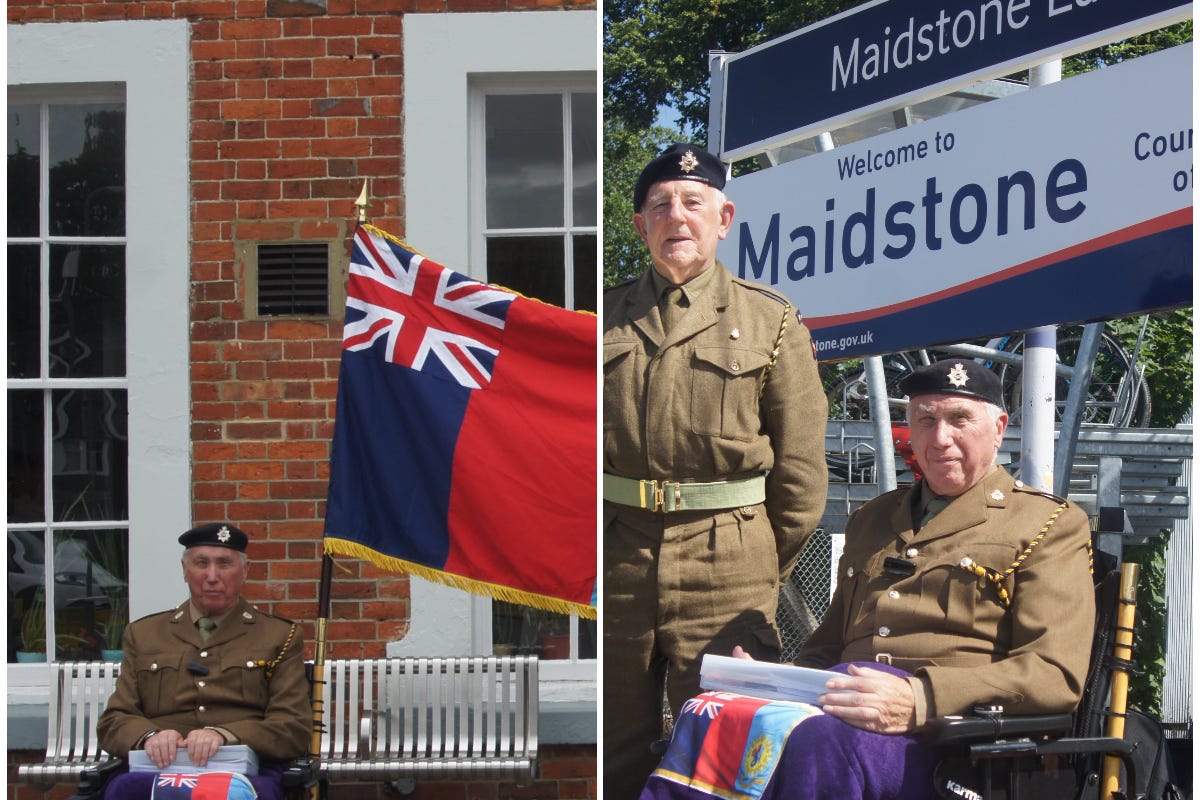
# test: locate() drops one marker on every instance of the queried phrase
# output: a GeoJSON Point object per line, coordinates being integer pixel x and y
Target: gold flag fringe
{"type": "Point", "coordinates": [508, 594]}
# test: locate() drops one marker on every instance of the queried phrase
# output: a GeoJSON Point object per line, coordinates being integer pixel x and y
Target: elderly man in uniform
{"type": "Point", "coordinates": [714, 467]}
{"type": "Point", "coordinates": [967, 588]}
{"type": "Point", "coordinates": [212, 672]}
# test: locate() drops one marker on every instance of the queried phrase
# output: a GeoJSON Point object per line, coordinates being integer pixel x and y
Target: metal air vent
{"type": "Point", "coordinates": [293, 279]}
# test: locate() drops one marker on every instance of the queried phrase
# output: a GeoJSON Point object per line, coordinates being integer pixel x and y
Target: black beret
{"type": "Point", "coordinates": [960, 376]}
{"type": "Point", "coordinates": [215, 534]}
{"type": "Point", "coordinates": [687, 162]}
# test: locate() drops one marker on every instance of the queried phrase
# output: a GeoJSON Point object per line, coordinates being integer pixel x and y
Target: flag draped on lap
{"type": "Point", "coordinates": [727, 745]}
{"type": "Point", "coordinates": [202, 786]}
{"type": "Point", "coordinates": [464, 446]}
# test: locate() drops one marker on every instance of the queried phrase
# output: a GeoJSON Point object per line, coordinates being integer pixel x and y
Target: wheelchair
{"type": "Point", "coordinates": [990, 756]}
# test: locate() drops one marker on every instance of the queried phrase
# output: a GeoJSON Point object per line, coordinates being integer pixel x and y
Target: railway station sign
{"type": "Point", "coordinates": [890, 53]}
{"type": "Point", "coordinates": [1066, 203]}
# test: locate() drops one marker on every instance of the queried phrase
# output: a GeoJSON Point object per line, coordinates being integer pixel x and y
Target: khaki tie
{"type": "Point", "coordinates": [206, 626]}
{"type": "Point", "coordinates": [932, 510]}
{"type": "Point", "coordinates": [671, 307]}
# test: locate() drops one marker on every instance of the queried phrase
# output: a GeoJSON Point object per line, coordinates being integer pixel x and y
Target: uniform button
{"type": "Point", "coordinates": [200, 684]}
{"type": "Point", "coordinates": [249, 663]}
{"type": "Point", "coordinates": [204, 654]}
{"type": "Point", "coordinates": [748, 511]}
{"type": "Point", "coordinates": [894, 594]}
{"type": "Point", "coordinates": [911, 552]}
{"type": "Point", "coordinates": [200, 709]}
{"type": "Point", "coordinates": [849, 572]}
{"type": "Point", "coordinates": [735, 366]}
{"type": "Point", "coordinates": [884, 630]}
{"type": "Point", "coordinates": [153, 667]}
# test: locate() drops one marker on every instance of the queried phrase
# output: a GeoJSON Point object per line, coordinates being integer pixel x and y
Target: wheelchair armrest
{"type": "Point", "coordinates": [964, 729]}
{"type": "Point", "coordinates": [300, 773]}
{"type": "Point", "coordinates": [92, 779]}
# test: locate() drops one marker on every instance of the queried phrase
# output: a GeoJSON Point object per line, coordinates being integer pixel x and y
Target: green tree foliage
{"type": "Point", "coordinates": [626, 150]}
{"type": "Point", "coordinates": [1163, 350]}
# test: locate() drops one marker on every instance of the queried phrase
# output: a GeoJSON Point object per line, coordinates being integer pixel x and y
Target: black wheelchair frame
{"type": "Point", "coordinates": [990, 756]}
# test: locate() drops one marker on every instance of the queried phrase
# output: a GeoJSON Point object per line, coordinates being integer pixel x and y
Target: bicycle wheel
{"type": "Point", "coordinates": [848, 396]}
{"type": "Point", "coordinates": [1116, 395]}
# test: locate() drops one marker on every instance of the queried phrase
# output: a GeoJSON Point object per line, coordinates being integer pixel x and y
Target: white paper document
{"type": "Point", "coordinates": [230, 758]}
{"type": "Point", "coordinates": [763, 679]}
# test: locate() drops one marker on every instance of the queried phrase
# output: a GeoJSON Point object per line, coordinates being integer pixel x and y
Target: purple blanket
{"type": "Point", "coordinates": [823, 759]}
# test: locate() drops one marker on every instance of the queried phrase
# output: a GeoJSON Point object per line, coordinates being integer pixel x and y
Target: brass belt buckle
{"type": "Point", "coordinates": [653, 495]}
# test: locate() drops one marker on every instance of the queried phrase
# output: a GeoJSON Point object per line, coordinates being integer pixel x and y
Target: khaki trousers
{"type": "Point", "coordinates": [676, 586]}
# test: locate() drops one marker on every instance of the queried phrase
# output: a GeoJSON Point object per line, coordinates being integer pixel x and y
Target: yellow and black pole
{"type": "Point", "coordinates": [1119, 694]}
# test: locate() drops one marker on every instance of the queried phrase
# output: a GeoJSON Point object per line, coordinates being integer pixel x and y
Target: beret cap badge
{"type": "Point", "coordinates": [958, 376]}
{"type": "Point", "coordinates": [689, 162]}
{"type": "Point", "coordinates": [223, 534]}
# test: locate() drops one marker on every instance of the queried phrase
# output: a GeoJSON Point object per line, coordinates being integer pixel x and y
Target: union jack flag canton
{"type": "Point", "coordinates": [421, 314]}
{"type": "Point", "coordinates": [175, 779]}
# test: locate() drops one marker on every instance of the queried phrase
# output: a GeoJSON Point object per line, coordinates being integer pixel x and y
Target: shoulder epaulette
{"type": "Point", "coordinates": [1022, 487]}
{"type": "Point", "coordinates": [763, 290]}
{"type": "Point", "coordinates": [621, 285]}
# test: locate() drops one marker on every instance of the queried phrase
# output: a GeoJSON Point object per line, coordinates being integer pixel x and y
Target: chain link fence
{"type": "Point", "coordinates": [805, 596]}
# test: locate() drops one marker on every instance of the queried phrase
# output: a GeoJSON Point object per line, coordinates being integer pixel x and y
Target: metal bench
{"type": "Point", "coordinates": [413, 718]}
{"type": "Point", "coordinates": [79, 690]}
{"type": "Point", "coordinates": [387, 719]}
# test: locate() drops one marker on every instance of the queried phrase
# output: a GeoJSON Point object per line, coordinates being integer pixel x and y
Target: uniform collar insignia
{"type": "Point", "coordinates": [997, 494]}
{"type": "Point", "coordinates": [689, 161]}
{"type": "Point", "coordinates": [958, 376]}
{"type": "Point", "coordinates": [223, 534]}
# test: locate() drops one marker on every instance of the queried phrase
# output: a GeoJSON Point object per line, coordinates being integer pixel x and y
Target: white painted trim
{"type": "Point", "coordinates": [152, 60]}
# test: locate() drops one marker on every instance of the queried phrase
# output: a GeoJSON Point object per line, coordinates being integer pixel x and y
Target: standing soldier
{"type": "Point", "coordinates": [714, 459]}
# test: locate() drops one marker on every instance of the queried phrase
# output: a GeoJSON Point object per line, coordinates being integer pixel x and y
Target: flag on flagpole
{"type": "Point", "coordinates": [464, 446]}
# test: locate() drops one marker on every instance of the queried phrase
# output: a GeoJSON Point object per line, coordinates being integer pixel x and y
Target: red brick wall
{"type": "Point", "coordinates": [293, 104]}
{"type": "Point", "coordinates": [566, 771]}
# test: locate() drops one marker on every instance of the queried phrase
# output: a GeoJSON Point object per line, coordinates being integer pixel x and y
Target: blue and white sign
{"type": "Point", "coordinates": [890, 53]}
{"type": "Point", "coordinates": [1065, 203]}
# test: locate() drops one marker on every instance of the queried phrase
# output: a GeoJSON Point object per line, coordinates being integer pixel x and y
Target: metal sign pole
{"type": "Point", "coordinates": [1037, 374]}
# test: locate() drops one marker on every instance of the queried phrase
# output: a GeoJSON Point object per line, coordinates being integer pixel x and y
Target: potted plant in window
{"type": "Point", "coordinates": [33, 630]}
{"type": "Point", "coordinates": [113, 628]}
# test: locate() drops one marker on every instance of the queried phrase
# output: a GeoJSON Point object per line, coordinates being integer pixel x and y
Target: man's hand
{"type": "Point", "coordinates": [201, 744]}
{"type": "Point", "coordinates": [880, 703]}
{"type": "Point", "coordinates": [160, 748]}
{"type": "Point", "coordinates": [738, 652]}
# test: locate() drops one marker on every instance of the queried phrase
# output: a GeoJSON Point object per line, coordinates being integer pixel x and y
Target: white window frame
{"type": "Point", "coordinates": [483, 86]}
{"type": "Point", "coordinates": [151, 60]}
{"type": "Point", "coordinates": [444, 55]}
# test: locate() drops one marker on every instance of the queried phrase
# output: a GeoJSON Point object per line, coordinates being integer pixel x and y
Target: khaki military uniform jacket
{"type": "Point", "coordinates": [686, 406]}
{"type": "Point", "coordinates": [950, 627]}
{"type": "Point", "coordinates": [156, 690]}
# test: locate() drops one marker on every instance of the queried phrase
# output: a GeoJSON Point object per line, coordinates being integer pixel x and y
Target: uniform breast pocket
{"type": "Point", "coordinates": [621, 379]}
{"type": "Point", "coordinates": [159, 681]}
{"type": "Point", "coordinates": [251, 675]}
{"type": "Point", "coordinates": [971, 604]}
{"type": "Point", "coordinates": [725, 383]}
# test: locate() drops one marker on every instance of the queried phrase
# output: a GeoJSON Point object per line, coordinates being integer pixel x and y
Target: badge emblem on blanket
{"type": "Point", "coordinates": [202, 786]}
{"type": "Point", "coordinates": [728, 745]}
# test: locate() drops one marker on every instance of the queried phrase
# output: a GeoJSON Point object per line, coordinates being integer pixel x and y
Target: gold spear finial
{"type": "Point", "coordinates": [361, 202]}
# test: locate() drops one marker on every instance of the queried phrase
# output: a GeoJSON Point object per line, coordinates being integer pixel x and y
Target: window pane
{"type": "Point", "coordinates": [584, 256]}
{"type": "Point", "coordinates": [26, 597]}
{"type": "Point", "coordinates": [24, 156]}
{"type": "Point", "coordinates": [583, 158]}
{"type": "Point", "coordinates": [87, 170]}
{"type": "Point", "coordinates": [531, 265]}
{"type": "Point", "coordinates": [522, 630]}
{"type": "Point", "coordinates": [91, 592]}
{"type": "Point", "coordinates": [90, 454]}
{"type": "Point", "coordinates": [87, 311]}
{"type": "Point", "coordinates": [24, 312]}
{"type": "Point", "coordinates": [524, 160]}
{"type": "Point", "coordinates": [26, 463]}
